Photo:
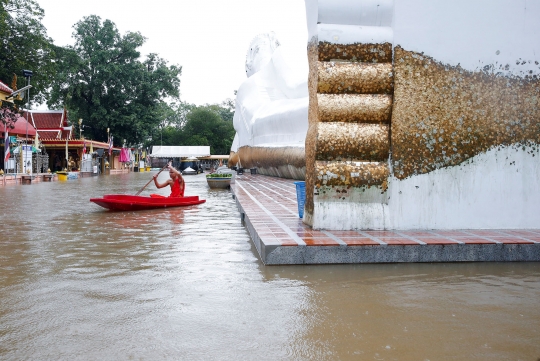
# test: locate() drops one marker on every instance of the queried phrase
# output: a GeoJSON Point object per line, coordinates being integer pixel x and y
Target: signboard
{"type": "Point", "coordinates": [27, 158]}
{"type": "Point", "coordinates": [12, 140]}
{"type": "Point", "coordinates": [10, 165]}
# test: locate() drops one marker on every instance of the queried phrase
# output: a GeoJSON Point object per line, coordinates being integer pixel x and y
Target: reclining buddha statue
{"type": "Point", "coordinates": [271, 115]}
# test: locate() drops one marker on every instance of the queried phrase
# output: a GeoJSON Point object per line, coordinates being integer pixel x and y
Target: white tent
{"type": "Point", "coordinates": [173, 151]}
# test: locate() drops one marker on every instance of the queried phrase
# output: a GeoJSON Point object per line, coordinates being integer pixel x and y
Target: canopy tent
{"type": "Point", "coordinates": [216, 157]}
{"type": "Point", "coordinates": [173, 151]}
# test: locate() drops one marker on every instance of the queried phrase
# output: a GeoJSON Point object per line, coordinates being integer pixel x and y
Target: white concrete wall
{"type": "Point", "coordinates": [472, 33]}
{"type": "Point", "coordinates": [494, 190]}
{"type": "Point", "coordinates": [312, 14]}
{"type": "Point", "coordinates": [349, 22]}
{"type": "Point", "coordinates": [347, 12]}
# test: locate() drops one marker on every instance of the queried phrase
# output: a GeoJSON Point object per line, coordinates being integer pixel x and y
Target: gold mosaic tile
{"type": "Point", "coordinates": [351, 174]}
{"type": "Point", "coordinates": [311, 137]}
{"type": "Point", "coordinates": [350, 104]}
{"type": "Point", "coordinates": [233, 159]}
{"type": "Point", "coordinates": [368, 53]}
{"type": "Point", "coordinates": [360, 108]}
{"type": "Point", "coordinates": [266, 157]}
{"type": "Point", "coordinates": [348, 141]}
{"type": "Point", "coordinates": [283, 162]}
{"type": "Point", "coordinates": [445, 115]}
{"type": "Point", "coordinates": [355, 78]}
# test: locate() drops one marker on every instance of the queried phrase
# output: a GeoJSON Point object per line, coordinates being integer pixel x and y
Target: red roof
{"type": "Point", "coordinates": [5, 88]}
{"type": "Point", "coordinates": [48, 119]}
{"type": "Point", "coordinates": [66, 134]}
{"type": "Point", "coordinates": [50, 124]}
{"type": "Point", "coordinates": [21, 128]}
{"type": "Point", "coordinates": [48, 134]}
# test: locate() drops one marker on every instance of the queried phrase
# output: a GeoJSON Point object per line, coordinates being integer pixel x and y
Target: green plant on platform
{"type": "Point", "coordinates": [219, 175]}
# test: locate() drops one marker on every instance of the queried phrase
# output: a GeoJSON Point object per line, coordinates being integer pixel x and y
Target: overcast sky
{"type": "Point", "coordinates": [208, 38]}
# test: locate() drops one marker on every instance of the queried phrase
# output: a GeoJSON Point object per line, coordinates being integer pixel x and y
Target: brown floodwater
{"type": "Point", "coordinates": [81, 283]}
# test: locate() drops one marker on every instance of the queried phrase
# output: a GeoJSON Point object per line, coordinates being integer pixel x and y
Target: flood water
{"type": "Point", "coordinates": [78, 282]}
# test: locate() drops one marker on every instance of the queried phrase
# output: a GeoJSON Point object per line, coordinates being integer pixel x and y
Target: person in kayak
{"type": "Point", "coordinates": [176, 182]}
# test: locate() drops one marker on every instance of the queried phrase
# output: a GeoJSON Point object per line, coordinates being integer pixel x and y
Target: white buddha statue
{"type": "Point", "coordinates": [271, 117]}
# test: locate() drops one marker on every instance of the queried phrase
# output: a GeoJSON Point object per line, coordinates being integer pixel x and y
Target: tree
{"type": "Point", "coordinates": [24, 44]}
{"type": "Point", "coordinates": [225, 110]}
{"type": "Point", "coordinates": [177, 115]}
{"type": "Point", "coordinates": [205, 126]}
{"type": "Point", "coordinates": [182, 110]}
{"type": "Point", "coordinates": [102, 81]}
{"type": "Point", "coordinates": [188, 124]}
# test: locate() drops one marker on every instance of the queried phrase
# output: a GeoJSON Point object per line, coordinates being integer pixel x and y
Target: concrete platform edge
{"type": "Point", "coordinates": [343, 254]}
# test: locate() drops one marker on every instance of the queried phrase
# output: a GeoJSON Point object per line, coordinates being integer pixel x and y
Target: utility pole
{"type": "Point", "coordinates": [27, 74]}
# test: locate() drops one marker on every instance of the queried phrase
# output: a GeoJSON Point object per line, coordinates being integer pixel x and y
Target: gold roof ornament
{"type": "Point", "coordinates": [14, 82]}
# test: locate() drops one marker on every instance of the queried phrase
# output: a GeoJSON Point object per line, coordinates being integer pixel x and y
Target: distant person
{"type": "Point", "coordinates": [176, 182]}
{"type": "Point", "coordinates": [57, 163]}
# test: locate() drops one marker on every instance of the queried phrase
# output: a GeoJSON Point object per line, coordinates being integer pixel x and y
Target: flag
{"type": "Point", "coordinates": [84, 147]}
{"type": "Point", "coordinates": [7, 154]}
{"type": "Point", "coordinates": [110, 144]}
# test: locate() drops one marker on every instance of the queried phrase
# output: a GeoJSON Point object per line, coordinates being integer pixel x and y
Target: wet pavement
{"type": "Point", "coordinates": [81, 283]}
{"type": "Point", "coordinates": [269, 208]}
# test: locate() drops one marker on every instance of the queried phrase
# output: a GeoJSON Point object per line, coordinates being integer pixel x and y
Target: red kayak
{"type": "Point", "coordinates": [124, 202]}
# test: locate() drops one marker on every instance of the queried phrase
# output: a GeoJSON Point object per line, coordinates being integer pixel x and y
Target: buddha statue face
{"type": "Point", "coordinates": [260, 52]}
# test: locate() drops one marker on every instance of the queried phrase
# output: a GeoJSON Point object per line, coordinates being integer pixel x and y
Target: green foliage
{"type": "Point", "coordinates": [24, 44]}
{"type": "Point", "coordinates": [102, 81]}
{"type": "Point", "coordinates": [177, 115]}
{"type": "Point", "coordinates": [203, 125]}
{"type": "Point", "coordinates": [225, 110]}
{"type": "Point", "coordinates": [219, 175]}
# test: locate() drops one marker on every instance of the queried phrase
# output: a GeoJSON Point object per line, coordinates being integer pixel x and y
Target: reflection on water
{"type": "Point", "coordinates": [81, 283]}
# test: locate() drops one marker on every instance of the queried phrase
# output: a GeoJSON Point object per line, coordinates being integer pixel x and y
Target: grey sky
{"type": "Point", "coordinates": [208, 38]}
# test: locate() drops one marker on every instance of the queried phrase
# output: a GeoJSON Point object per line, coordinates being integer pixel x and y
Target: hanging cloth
{"type": "Point", "coordinates": [124, 155]}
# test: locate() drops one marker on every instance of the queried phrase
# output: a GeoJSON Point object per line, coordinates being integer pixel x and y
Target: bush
{"type": "Point", "coordinates": [219, 175]}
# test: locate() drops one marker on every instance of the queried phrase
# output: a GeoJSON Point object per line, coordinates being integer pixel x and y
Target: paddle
{"type": "Point", "coordinates": [162, 169]}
